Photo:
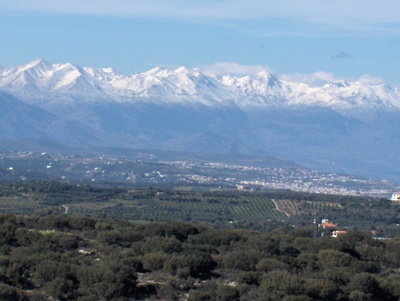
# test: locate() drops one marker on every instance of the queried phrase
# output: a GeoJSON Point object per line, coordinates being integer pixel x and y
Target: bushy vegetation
{"type": "Point", "coordinates": [77, 242]}
{"type": "Point", "coordinates": [84, 258]}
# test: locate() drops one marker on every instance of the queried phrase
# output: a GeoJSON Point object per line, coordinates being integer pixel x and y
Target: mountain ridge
{"type": "Point", "coordinates": [44, 82]}
{"type": "Point", "coordinates": [349, 127]}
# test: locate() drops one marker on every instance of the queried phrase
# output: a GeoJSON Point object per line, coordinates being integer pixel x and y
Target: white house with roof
{"type": "Point", "coordinates": [337, 233]}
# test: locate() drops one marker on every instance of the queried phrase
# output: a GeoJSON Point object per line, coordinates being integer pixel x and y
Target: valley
{"type": "Point", "coordinates": [145, 168]}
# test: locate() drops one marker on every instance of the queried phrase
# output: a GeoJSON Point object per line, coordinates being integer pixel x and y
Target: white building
{"type": "Point", "coordinates": [395, 196]}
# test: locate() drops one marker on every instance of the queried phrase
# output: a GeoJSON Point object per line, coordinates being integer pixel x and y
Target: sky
{"type": "Point", "coordinates": [313, 41]}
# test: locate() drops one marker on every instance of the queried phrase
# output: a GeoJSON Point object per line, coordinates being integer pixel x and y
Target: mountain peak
{"type": "Point", "coordinates": [264, 74]}
{"type": "Point", "coordinates": [38, 63]}
{"type": "Point", "coordinates": [155, 70]}
{"type": "Point", "coordinates": [268, 76]}
{"type": "Point", "coordinates": [186, 70]}
{"type": "Point", "coordinates": [340, 83]}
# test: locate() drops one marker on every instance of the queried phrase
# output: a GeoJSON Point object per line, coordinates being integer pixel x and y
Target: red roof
{"type": "Point", "coordinates": [329, 225]}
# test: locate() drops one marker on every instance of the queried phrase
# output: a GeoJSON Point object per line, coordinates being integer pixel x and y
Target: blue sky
{"type": "Point", "coordinates": [306, 40]}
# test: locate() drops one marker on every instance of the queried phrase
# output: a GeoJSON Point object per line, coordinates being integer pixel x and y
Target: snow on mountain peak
{"type": "Point", "coordinates": [188, 71]}
{"type": "Point", "coordinates": [338, 84]}
{"type": "Point", "coordinates": [155, 71]}
{"type": "Point", "coordinates": [265, 74]}
{"type": "Point", "coordinates": [182, 69]}
{"type": "Point", "coordinates": [40, 80]}
{"type": "Point", "coordinates": [37, 63]}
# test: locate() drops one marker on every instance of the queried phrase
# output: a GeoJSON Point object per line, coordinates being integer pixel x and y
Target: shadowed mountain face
{"type": "Point", "coordinates": [19, 120]}
{"type": "Point", "coordinates": [346, 127]}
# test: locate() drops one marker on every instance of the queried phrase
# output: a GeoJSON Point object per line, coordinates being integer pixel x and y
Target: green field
{"type": "Point", "coordinates": [147, 204]}
{"type": "Point", "coordinates": [183, 205]}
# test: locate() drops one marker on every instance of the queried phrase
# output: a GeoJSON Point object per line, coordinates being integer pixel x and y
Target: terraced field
{"type": "Point", "coordinates": [188, 206]}
{"type": "Point", "coordinates": [19, 204]}
{"type": "Point", "coordinates": [197, 205]}
{"type": "Point", "coordinates": [300, 207]}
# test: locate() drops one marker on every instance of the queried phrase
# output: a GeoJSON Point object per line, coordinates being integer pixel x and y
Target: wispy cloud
{"type": "Point", "coordinates": [233, 68]}
{"type": "Point", "coordinates": [316, 78]}
{"type": "Point", "coordinates": [337, 11]}
{"type": "Point", "coordinates": [342, 55]}
{"type": "Point", "coordinates": [322, 77]}
{"type": "Point", "coordinates": [368, 79]}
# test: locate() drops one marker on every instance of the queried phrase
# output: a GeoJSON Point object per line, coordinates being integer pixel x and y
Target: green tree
{"type": "Point", "coordinates": [321, 289]}
{"type": "Point", "coordinates": [365, 286]}
{"type": "Point", "coordinates": [281, 283]}
{"type": "Point", "coordinates": [227, 293]}
{"type": "Point", "coordinates": [8, 293]}
{"type": "Point", "coordinates": [154, 261]}
{"type": "Point", "coordinates": [333, 258]}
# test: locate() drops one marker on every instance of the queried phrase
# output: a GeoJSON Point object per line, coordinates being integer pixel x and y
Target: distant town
{"type": "Point", "coordinates": [147, 168]}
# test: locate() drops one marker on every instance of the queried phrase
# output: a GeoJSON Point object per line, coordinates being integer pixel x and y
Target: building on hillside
{"type": "Point", "coordinates": [395, 197]}
{"type": "Point", "coordinates": [244, 188]}
{"type": "Point", "coordinates": [337, 233]}
{"type": "Point", "coordinates": [326, 224]}
{"type": "Point", "coordinates": [374, 233]}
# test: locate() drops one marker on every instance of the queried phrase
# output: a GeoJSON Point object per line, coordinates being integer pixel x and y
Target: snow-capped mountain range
{"type": "Point", "coordinates": [341, 126]}
{"type": "Point", "coordinates": [40, 81]}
